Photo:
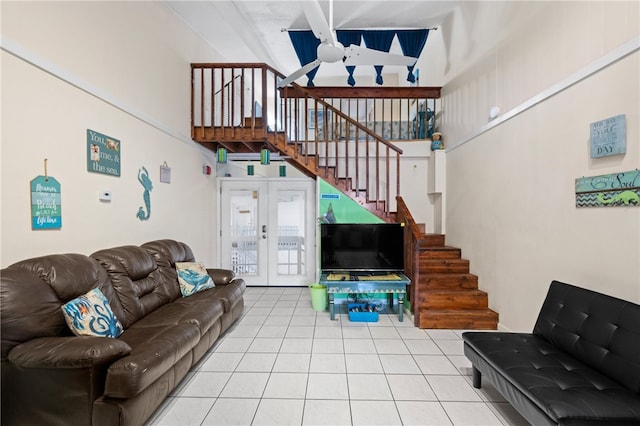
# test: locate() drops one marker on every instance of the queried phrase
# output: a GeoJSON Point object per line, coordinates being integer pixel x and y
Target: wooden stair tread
{"type": "Point", "coordinates": [471, 319]}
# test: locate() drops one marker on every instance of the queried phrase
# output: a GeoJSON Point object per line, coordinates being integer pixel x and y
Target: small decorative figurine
{"type": "Point", "coordinates": [436, 141]}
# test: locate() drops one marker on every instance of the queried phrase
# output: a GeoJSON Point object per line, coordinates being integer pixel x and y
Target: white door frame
{"type": "Point", "coordinates": [267, 242]}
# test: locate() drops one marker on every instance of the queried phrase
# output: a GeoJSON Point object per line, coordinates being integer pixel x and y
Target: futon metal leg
{"type": "Point", "coordinates": [477, 378]}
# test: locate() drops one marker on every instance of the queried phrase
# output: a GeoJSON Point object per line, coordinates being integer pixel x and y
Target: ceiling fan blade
{"type": "Point", "coordinates": [356, 55]}
{"type": "Point", "coordinates": [317, 21]}
{"type": "Point", "coordinates": [297, 74]}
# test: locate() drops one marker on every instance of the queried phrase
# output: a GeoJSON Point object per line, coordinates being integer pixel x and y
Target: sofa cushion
{"type": "Point", "coordinates": [193, 278]}
{"type": "Point", "coordinates": [601, 331]}
{"type": "Point", "coordinates": [33, 290]}
{"type": "Point", "coordinates": [563, 387]}
{"type": "Point", "coordinates": [139, 285]}
{"type": "Point", "coordinates": [91, 315]}
{"type": "Point", "coordinates": [155, 350]}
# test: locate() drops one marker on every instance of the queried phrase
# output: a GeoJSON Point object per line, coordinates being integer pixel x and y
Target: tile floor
{"type": "Point", "coordinates": [282, 363]}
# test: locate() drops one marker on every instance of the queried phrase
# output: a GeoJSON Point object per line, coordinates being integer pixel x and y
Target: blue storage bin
{"type": "Point", "coordinates": [361, 316]}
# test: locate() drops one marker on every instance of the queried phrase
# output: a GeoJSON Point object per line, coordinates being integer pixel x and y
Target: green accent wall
{"type": "Point", "coordinates": [343, 208]}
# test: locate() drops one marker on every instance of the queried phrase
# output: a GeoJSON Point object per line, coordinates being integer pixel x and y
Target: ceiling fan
{"type": "Point", "coordinates": [330, 50]}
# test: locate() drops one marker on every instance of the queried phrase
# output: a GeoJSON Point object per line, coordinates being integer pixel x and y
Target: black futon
{"type": "Point", "coordinates": [580, 366]}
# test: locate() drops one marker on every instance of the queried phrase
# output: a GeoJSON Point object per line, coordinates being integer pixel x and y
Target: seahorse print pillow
{"type": "Point", "coordinates": [193, 278]}
{"type": "Point", "coordinates": [91, 315]}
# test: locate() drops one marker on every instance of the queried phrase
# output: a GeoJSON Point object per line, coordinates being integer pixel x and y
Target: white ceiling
{"type": "Point", "coordinates": [251, 30]}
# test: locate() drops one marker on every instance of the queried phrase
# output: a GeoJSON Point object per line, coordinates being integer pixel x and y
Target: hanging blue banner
{"type": "Point", "coordinates": [103, 154]}
{"type": "Point", "coordinates": [45, 203]}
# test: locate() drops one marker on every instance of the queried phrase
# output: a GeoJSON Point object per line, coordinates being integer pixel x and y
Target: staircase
{"type": "Point", "coordinates": [449, 295]}
{"type": "Point", "coordinates": [240, 108]}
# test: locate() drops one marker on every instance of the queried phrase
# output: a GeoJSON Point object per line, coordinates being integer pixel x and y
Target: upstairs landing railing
{"type": "Point", "coordinates": [251, 110]}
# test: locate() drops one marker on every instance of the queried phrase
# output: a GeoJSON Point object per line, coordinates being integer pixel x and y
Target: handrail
{"type": "Point", "coordinates": [412, 241]}
{"type": "Point", "coordinates": [333, 143]}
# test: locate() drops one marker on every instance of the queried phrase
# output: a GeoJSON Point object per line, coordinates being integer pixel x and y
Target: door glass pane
{"type": "Point", "coordinates": [291, 232]}
{"type": "Point", "coordinates": [244, 231]}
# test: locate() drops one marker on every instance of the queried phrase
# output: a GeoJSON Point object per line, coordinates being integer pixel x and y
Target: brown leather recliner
{"type": "Point", "coordinates": [50, 376]}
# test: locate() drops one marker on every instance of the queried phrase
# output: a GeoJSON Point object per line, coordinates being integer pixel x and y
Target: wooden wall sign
{"type": "Point", "coordinates": [609, 136]}
{"type": "Point", "coordinates": [46, 203]}
{"type": "Point", "coordinates": [616, 189]}
{"type": "Point", "coordinates": [103, 154]}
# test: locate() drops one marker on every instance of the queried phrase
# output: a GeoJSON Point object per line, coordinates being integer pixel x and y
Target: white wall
{"type": "Point", "coordinates": [510, 184]}
{"type": "Point", "coordinates": [72, 66]}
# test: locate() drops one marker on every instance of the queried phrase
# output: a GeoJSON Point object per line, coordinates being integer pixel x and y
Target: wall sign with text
{"type": "Point", "coordinates": [103, 154]}
{"type": "Point", "coordinates": [616, 189]}
{"type": "Point", "coordinates": [46, 203]}
{"type": "Point", "coordinates": [609, 136]}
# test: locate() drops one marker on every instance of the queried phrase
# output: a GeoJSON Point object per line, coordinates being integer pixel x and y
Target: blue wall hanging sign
{"type": "Point", "coordinates": [612, 190]}
{"type": "Point", "coordinates": [609, 136]}
{"type": "Point", "coordinates": [145, 181]}
{"type": "Point", "coordinates": [103, 154]}
{"type": "Point", "coordinates": [45, 203]}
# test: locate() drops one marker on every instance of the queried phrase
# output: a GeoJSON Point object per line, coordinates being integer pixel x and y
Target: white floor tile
{"type": "Point", "coordinates": [300, 331]}
{"type": "Point", "coordinates": [279, 412]}
{"type": "Point", "coordinates": [292, 363]}
{"type": "Point", "coordinates": [256, 362]}
{"type": "Point", "coordinates": [245, 385]}
{"type": "Point", "coordinates": [452, 388]}
{"type": "Point", "coordinates": [327, 346]}
{"type": "Point", "coordinates": [410, 387]}
{"type": "Point", "coordinates": [359, 346]}
{"type": "Point", "coordinates": [183, 411]}
{"type": "Point", "coordinates": [327, 363]}
{"type": "Point", "coordinates": [296, 346]}
{"type": "Point", "coordinates": [399, 364]}
{"type": "Point", "coordinates": [423, 347]}
{"type": "Point", "coordinates": [231, 412]}
{"type": "Point", "coordinates": [272, 331]}
{"type": "Point", "coordinates": [435, 364]}
{"type": "Point", "coordinates": [234, 345]}
{"type": "Point", "coordinates": [221, 361]}
{"type": "Point", "coordinates": [205, 384]}
{"type": "Point", "coordinates": [326, 413]}
{"type": "Point", "coordinates": [368, 387]}
{"type": "Point", "coordinates": [327, 386]}
{"type": "Point", "coordinates": [421, 413]}
{"type": "Point", "coordinates": [363, 363]}
{"type": "Point", "coordinates": [286, 385]}
{"type": "Point", "coordinates": [462, 413]}
{"type": "Point", "coordinates": [371, 413]}
{"type": "Point", "coordinates": [271, 344]}
{"type": "Point", "coordinates": [390, 346]}
{"type": "Point", "coordinates": [284, 363]}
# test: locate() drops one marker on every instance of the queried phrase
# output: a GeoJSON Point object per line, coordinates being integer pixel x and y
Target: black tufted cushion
{"type": "Point", "coordinates": [580, 366]}
{"type": "Point", "coordinates": [599, 330]}
{"type": "Point", "coordinates": [558, 384]}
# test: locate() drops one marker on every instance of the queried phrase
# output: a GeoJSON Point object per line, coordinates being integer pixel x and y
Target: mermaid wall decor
{"type": "Point", "coordinates": [145, 181]}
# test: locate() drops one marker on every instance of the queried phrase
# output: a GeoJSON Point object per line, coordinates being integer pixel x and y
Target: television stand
{"type": "Point", "coordinates": [389, 283]}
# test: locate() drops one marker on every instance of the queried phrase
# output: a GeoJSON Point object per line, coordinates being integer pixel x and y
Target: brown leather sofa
{"type": "Point", "coordinates": [52, 377]}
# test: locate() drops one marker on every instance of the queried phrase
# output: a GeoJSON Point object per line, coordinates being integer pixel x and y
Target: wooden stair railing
{"type": "Point", "coordinates": [316, 137]}
{"type": "Point", "coordinates": [442, 294]}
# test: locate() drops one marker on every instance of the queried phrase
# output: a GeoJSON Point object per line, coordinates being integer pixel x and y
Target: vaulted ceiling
{"type": "Point", "coordinates": [252, 31]}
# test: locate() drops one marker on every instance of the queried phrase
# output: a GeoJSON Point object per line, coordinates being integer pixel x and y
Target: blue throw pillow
{"type": "Point", "coordinates": [91, 315]}
{"type": "Point", "coordinates": [193, 278]}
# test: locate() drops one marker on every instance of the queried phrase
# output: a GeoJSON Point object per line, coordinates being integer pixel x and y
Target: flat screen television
{"type": "Point", "coordinates": [375, 247]}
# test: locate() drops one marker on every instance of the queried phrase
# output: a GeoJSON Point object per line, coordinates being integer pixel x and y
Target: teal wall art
{"type": "Point", "coordinates": [103, 154]}
{"type": "Point", "coordinates": [145, 181]}
{"type": "Point", "coordinates": [612, 190]}
{"type": "Point", "coordinates": [46, 203]}
{"type": "Point", "coordinates": [608, 136]}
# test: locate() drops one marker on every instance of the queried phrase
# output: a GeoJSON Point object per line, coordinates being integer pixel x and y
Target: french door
{"type": "Point", "coordinates": [267, 230]}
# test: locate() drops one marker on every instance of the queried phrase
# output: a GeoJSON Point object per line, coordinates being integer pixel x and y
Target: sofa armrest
{"type": "Point", "coordinates": [68, 352]}
{"type": "Point", "coordinates": [221, 276]}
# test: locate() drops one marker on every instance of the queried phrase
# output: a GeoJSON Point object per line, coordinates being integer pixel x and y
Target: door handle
{"type": "Point", "coordinates": [264, 228]}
